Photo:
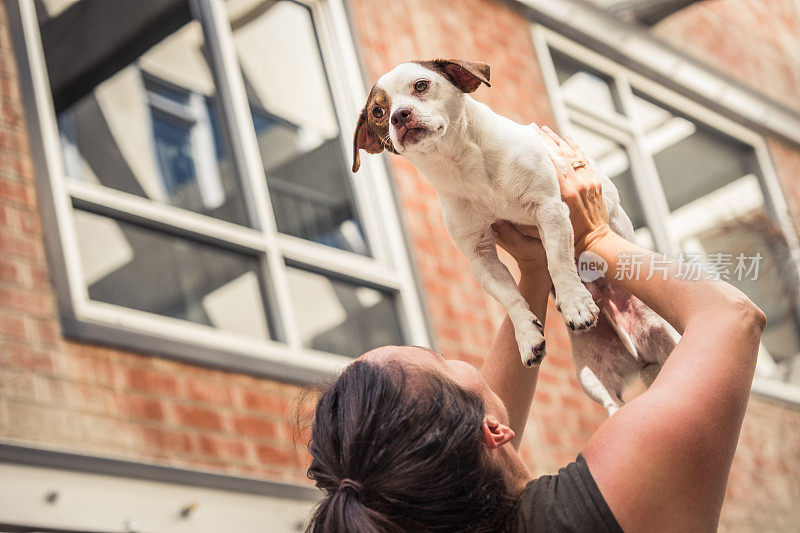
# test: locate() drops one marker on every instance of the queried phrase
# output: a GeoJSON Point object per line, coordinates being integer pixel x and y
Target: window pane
{"type": "Point", "coordinates": [139, 268]}
{"type": "Point", "coordinates": [342, 317]}
{"type": "Point", "coordinates": [614, 161]}
{"type": "Point", "coordinates": [298, 133]}
{"type": "Point", "coordinates": [585, 87]}
{"type": "Point", "coordinates": [718, 210]}
{"type": "Point", "coordinates": [151, 129]}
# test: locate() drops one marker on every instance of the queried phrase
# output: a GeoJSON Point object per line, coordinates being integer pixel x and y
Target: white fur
{"type": "Point", "coordinates": [486, 167]}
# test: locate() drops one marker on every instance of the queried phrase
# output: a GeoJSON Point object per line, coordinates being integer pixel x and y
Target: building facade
{"type": "Point", "coordinates": [183, 249]}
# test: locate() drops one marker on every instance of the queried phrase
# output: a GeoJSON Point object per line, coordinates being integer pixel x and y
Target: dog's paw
{"type": "Point", "coordinates": [578, 309]}
{"type": "Point", "coordinates": [531, 342]}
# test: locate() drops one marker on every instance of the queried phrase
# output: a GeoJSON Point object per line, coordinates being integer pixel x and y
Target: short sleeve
{"type": "Point", "coordinates": [567, 501]}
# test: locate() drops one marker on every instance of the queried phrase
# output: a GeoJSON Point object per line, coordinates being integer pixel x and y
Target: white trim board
{"type": "Point", "coordinates": [49, 488]}
{"type": "Point", "coordinates": [636, 49]}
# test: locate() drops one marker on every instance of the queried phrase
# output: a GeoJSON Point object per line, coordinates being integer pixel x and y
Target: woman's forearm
{"type": "Point", "coordinates": [670, 449]}
{"type": "Point", "coordinates": [657, 281]}
{"type": "Point", "coordinates": [503, 370]}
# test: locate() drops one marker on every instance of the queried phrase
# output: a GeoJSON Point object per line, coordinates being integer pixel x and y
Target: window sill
{"type": "Point", "coordinates": [199, 345]}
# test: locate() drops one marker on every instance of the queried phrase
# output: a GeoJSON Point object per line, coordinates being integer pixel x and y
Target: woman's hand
{"type": "Point", "coordinates": [581, 190]}
{"type": "Point", "coordinates": [523, 243]}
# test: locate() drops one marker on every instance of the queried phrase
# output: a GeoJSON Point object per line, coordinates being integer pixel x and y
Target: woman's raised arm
{"type": "Point", "coordinates": [503, 370]}
{"type": "Point", "coordinates": [662, 461]}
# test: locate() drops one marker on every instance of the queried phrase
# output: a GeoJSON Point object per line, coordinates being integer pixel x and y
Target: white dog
{"type": "Point", "coordinates": [486, 167]}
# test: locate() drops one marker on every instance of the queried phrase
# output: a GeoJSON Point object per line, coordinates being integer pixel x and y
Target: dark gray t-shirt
{"type": "Point", "coordinates": [568, 501]}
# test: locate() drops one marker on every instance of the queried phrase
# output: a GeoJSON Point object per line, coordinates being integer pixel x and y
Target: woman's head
{"type": "Point", "coordinates": [398, 445]}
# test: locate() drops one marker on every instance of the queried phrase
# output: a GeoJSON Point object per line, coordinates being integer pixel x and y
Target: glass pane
{"type": "Point", "coordinates": [614, 161]}
{"type": "Point", "coordinates": [719, 213]}
{"type": "Point", "coordinates": [151, 129]}
{"type": "Point", "coordinates": [585, 87]}
{"type": "Point", "coordinates": [293, 114]}
{"type": "Point", "coordinates": [341, 317]}
{"type": "Point", "coordinates": [139, 268]}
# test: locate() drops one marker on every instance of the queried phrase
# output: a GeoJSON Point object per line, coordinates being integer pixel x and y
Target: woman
{"type": "Point", "coordinates": [405, 440]}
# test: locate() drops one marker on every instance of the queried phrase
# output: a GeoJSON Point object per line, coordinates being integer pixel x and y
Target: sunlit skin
{"type": "Point", "coordinates": [464, 374]}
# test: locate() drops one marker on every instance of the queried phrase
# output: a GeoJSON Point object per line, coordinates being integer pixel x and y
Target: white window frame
{"type": "Point", "coordinates": [389, 269]}
{"type": "Point", "coordinates": [645, 177]}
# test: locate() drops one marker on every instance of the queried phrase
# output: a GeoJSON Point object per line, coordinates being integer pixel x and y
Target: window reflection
{"type": "Point", "coordinates": [151, 130]}
{"type": "Point", "coordinates": [341, 317]}
{"type": "Point", "coordinates": [296, 127]}
{"type": "Point", "coordinates": [139, 268]}
{"type": "Point", "coordinates": [585, 87]}
{"type": "Point", "coordinates": [713, 187]}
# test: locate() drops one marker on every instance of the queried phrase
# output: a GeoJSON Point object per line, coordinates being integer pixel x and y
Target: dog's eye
{"type": "Point", "coordinates": [377, 112]}
{"type": "Point", "coordinates": [421, 85]}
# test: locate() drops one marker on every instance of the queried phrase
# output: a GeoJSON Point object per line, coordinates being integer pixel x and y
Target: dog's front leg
{"type": "Point", "coordinates": [478, 244]}
{"type": "Point", "coordinates": [572, 297]}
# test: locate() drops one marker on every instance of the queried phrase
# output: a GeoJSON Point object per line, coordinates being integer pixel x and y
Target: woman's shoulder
{"type": "Point", "coordinates": [567, 501]}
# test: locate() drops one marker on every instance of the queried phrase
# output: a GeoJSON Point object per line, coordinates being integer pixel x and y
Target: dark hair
{"type": "Point", "coordinates": [397, 454]}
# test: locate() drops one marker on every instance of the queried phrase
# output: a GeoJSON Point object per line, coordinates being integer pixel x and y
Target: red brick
{"type": "Point", "coordinates": [48, 331]}
{"type": "Point", "coordinates": [9, 271]}
{"type": "Point", "coordinates": [255, 427]}
{"type": "Point", "coordinates": [151, 381]}
{"type": "Point", "coordinates": [39, 276]}
{"type": "Point", "coordinates": [221, 447]}
{"type": "Point", "coordinates": [140, 407]}
{"type": "Point", "coordinates": [26, 301]}
{"type": "Point", "coordinates": [265, 402]}
{"type": "Point", "coordinates": [275, 455]}
{"type": "Point", "coordinates": [16, 193]}
{"type": "Point", "coordinates": [207, 391]}
{"type": "Point", "coordinates": [165, 439]}
{"type": "Point", "coordinates": [21, 247]}
{"type": "Point", "coordinates": [26, 357]}
{"type": "Point", "coordinates": [30, 224]}
{"type": "Point", "coordinates": [197, 417]}
{"type": "Point", "coordinates": [12, 326]}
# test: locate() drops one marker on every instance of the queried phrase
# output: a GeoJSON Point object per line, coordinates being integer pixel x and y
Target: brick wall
{"type": "Point", "coordinates": [95, 399]}
{"type": "Point", "coordinates": [755, 42]}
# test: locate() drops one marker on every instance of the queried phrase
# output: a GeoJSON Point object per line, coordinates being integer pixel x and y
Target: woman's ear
{"type": "Point", "coordinates": [495, 434]}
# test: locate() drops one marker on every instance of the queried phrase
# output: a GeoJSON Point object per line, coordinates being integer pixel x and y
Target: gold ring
{"type": "Point", "coordinates": [578, 164]}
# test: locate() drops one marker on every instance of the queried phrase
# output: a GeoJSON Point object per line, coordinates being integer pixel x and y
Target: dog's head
{"type": "Point", "coordinates": [412, 105]}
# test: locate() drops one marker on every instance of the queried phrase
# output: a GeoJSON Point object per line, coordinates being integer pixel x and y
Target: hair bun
{"type": "Point", "coordinates": [355, 485]}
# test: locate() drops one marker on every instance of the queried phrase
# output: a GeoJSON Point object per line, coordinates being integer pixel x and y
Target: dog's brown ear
{"type": "Point", "coordinates": [364, 138]}
{"type": "Point", "coordinates": [466, 75]}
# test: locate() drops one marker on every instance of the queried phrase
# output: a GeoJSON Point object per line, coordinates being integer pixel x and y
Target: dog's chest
{"type": "Point", "coordinates": [485, 193]}
{"type": "Point", "coordinates": [469, 179]}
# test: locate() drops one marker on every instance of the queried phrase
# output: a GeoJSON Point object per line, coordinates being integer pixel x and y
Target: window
{"type": "Point", "coordinates": [200, 183]}
{"type": "Point", "coordinates": [693, 184]}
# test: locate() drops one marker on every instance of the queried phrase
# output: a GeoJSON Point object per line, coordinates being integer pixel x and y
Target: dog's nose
{"type": "Point", "coordinates": [401, 116]}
